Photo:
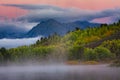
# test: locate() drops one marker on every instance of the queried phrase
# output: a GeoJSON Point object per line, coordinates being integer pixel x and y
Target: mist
{"type": "Point", "coordinates": [60, 72]}
{"type": "Point", "coordinates": [12, 43]}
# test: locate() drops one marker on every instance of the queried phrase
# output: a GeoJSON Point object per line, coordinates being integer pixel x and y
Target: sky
{"type": "Point", "coordinates": [30, 12]}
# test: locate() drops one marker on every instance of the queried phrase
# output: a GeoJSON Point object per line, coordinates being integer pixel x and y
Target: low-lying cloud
{"type": "Point", "coordinates": [11, 43]}
{"type": "Point", "coordinates": [15, 26]}
{"type": "Point", "coordinates": [7, 26]}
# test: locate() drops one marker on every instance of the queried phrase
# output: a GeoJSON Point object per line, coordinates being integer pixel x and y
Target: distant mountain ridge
{"type": "Point", "coordinates": [52, 26]}
{"type": "Point", "coordinates": [11, 32]}
{"type": "Point", "coordinates": [44, 28]}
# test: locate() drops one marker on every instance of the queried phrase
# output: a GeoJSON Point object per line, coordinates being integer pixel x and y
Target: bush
{"type": "Point", "coordinates": [4, 54]}
{"type": "Point", "coordinates": [90, 54]}
{"type": "Point", "coordinates": [1, 57]}
{"type": "Point", "coordinates": [75, 62]}
{"type": "Point", "coordinates": [90, 62]}
{"type": "Point", "coordinates": [113, 46]}
{"type": "Point", "coordinates": [76, 52]}
{"type": "Point", "coordinates": [103, 53]}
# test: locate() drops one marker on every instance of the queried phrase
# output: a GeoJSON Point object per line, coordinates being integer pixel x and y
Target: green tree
{"type": "Point", "coordinates": [90, 54]}
{"type": "Point", "coordinates": [1, 57]}
{"type": "Point", "coordinates": [103, 53]}
{"type": "Point", "coordinates": [114, 47]}
{"type": "Point", "coordinates": [5, 54]}
{"type": "Point", "coordinates": [76, 52]}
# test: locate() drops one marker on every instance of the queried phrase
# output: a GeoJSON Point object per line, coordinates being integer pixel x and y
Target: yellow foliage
{"type": "Point", "coordinates": [72, 62]}
{"type": "Point", "coordinates": [90, 62]}
{"type": "Point", "coordinates": [91, 38]}
{"type": "Point", "coordinates": [108, 33]}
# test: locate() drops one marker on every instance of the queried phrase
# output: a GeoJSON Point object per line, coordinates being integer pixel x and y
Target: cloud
{"type": "Point", "coordinates": [8, 27]}
{"type": "Point", "coordinates": [41, 12]}
{"type": "Point", "coordinates": [33, 7]}
{"type": "Point", "coordinates": [8, 43]}
{"type": "Point", "coordinates": [38, 15]}
{"type": "Point", "coordinates": [15, 26]}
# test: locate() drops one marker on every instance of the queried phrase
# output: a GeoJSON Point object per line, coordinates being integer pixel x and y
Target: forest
{"type": "Point", "coordinates": [100, 44]}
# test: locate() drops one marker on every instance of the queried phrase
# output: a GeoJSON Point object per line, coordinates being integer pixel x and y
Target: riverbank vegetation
{"type": "Point", "coordinates": [101, 44]}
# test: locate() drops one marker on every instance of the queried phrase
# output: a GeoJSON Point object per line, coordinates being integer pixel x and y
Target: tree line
{"type": "Point", "coordinates": [71, 46]}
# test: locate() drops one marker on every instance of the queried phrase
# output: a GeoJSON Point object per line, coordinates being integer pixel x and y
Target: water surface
{"type": "Point", "coordinates": [60, 72]}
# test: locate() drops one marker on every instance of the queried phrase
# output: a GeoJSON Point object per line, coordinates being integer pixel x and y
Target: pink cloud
{"type": "Point", "coordinates": [107, 20]}
{"type": "Point", "coordinates": [83, 4]}
{"type": "Point", "coordinates": [11, 12]}
{"type": "Point", "coordinates": [98, 5]}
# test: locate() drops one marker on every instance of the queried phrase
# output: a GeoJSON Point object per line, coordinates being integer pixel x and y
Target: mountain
{"type": "Point", "coordinates": [44, 28]}
{"type": "Point", "coordinates": [85, 24]}
{"type": "Point", "coordinates": [52, 26]}
{"type": "Point", "coordinates": [47, 28]}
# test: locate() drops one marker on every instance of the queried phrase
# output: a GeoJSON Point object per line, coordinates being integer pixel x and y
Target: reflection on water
{"type": "Point", "coordinates": [60, 72]}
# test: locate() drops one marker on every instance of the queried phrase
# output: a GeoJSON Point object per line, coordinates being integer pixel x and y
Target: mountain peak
{"type": "Point", "coordinates": [53, 20]}
{"type": "Point", "coordinates": [49, 21]}
{"type": "Point", "coordinates": [51, 26]}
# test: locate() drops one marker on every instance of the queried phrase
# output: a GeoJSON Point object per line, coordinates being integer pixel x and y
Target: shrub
{"type": "Point", "coordinates": [1, 57]}
{"type": "Point", "coordinates": [90, 54]}
{"type": "Point", "coordinates": [74, 62]}
{"type": "Point", "coordinates": [75, 52]}
{"type": "Point", "coordinates": [103, 53]}
{"type": "Point", "coordinates": [90, 62]}
{"type": "Point", "coordinates": [4, 53]}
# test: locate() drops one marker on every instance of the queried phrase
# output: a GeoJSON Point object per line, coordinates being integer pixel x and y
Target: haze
{"type": "Point", "coordinates": [59, 72]}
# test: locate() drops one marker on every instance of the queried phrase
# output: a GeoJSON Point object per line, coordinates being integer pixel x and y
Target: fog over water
{"type": "Point", "coordinates": [11, 43]}
{"type": "Point", "coordinates": [53, 71]}
{"type": "Point", "coordinates": [60, 72]}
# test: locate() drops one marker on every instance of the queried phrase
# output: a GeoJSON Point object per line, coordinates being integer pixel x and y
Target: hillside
{"type": "Point", "coordinates": [100, 44]}
{"type": "Point", "coordinates": [94, 44]}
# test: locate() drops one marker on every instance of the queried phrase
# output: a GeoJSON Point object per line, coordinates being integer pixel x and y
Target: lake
{"type": "Point", "coordinates": [60, 72]}
{"type": "Point", "coordinates": [12, 43]}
